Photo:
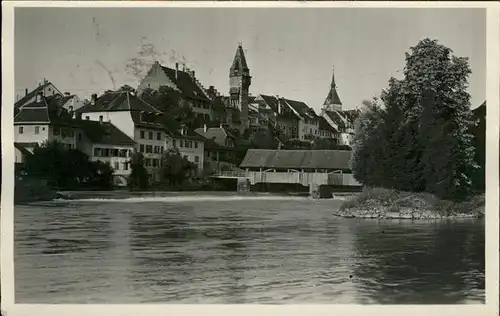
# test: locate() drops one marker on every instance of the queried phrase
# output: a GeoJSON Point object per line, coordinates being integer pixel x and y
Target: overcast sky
{"type": "Point", "coordinates": [290, 52]}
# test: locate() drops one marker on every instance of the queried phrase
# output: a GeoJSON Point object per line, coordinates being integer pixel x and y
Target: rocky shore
{"type": "Point", "coordinates": [404, 213]}
{"type": "Point", "coordinates": [383, 204]}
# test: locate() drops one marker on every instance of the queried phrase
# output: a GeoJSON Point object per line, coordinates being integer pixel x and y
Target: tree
{"type": "Point", "coordinates": [175, 168]}
{"type": "Point", "coordinates": [67, 168]}
{"type": "Point", "coordinates": [139, 178]}
{"type": "Point", "coordinates": [419, 138]}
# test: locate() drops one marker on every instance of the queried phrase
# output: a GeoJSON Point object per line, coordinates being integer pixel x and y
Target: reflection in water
{"type": "Point", "coordinates": [430, 256]}
{"type": "Point", "coordinates": [224, 250]}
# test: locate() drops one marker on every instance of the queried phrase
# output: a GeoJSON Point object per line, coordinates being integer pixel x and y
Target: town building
{"type": "Point", "coordinates": [308, 120]}
{"type": "Point", "coordinates": [135, 118]}
{"type": "Point", "coordinates": [239, 84]}
{"type": "Point", "coordinates": [150, 128]}
{"type": "Point", "coordinates": [193, 94]}
{"type": "Point", "coordinates": [102, 141]}
{"type": "Point", "coordinates": [277, 112]}
{"type": "Point", "coordinates": [45, 87]}
{"type": "Point", "coordinates": [37, 122]}
{"type": "Point", "coordinates": [220, 146]}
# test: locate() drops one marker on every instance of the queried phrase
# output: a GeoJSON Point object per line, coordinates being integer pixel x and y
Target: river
{"type": "Point", "coordinates": [224, 248]}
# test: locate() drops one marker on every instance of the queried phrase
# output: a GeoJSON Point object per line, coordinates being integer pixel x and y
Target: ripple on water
{"type": "Point", "coordinates": [231, 249]}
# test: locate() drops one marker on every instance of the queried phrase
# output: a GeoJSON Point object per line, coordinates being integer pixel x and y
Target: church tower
{"type": "Point", "coordinates": [332, 101]}
{"type": "Point", "coordinates": [239, 84]}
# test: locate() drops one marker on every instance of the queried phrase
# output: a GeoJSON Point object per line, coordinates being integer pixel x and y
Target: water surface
{"type": "Point", "coordinates": [221, 248]}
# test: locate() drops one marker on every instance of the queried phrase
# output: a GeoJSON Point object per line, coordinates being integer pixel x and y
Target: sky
{"type": "Point", "coordinates": [291, 52]}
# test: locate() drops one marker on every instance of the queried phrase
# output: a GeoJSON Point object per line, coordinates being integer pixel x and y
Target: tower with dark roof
{"type": "Point", "coordinates": [239, 84]}
{"type": "Point", "coordinates": [332, 101]}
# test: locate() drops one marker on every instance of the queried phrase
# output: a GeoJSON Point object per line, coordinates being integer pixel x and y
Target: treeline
{"type": "Point", "coordinates": [417, 136]}
{"type": "Point", "coordinates": [67, 168]}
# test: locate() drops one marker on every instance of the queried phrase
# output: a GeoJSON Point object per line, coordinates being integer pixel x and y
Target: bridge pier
{"type": "Point", "coordinates": [243, 185]}
{"type": "Point", "coordinates": [317, 191]}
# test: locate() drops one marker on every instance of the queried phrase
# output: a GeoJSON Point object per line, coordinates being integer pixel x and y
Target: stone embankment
{"type": "Point", "coordinates": [403, 213]}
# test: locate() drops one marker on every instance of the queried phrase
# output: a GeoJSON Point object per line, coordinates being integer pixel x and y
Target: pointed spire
{"type": "Point", "coordinates": [333, 100]}
{"type": "Point", "coordinates": [239, 66]}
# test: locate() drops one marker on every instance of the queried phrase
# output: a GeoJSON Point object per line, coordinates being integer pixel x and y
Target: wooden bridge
{"type": "Point", "coordinates": [313, 168]}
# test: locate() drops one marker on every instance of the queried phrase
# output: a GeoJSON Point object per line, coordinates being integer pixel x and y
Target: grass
{"type": "Point", "coordinates": [394, 200]}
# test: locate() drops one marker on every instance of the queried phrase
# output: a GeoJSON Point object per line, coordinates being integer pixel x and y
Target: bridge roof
{"type": "Point", "coordinates": [297, 159]}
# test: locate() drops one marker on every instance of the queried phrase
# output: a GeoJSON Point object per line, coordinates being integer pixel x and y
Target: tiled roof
{"type": "Point", "coordinates": [271, 101]}
{"type": "Point", "coordinates": [118, 101]}
{"type": "Point", "coordinates": [34, 112]}
{"type": "Point", "coordinates": [301, 108]}
{"type": "Point", "coordinates": [174, 128]}
{"type": "Point", "coordinates": [333, 97]}
{"type": "Point", "coordinates": [31, 94]}
{"type": "Point", "coordinates": [336, 118]}
{"type": "Point", "coordinates": [147, 119]}
{"type": "Point", "coordinates": [216, 134]}
{"type": "Point", "coordinates": [351, 115]}
{"type": "Point", "coordinates": [186, 84]}
{"type": "Point", "coordinates": [325, 126]}
{"type": "Point", "coordinates": [239, 65]}
{"type": "Point", "coordinates": [297, 159]}
{"type": "Point", "coordinates": [103, 133]}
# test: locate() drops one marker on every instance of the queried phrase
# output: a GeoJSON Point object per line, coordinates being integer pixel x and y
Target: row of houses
{"type": "Point", "coordinates": [110, 127]}
{"type": "Point", "coordinates": [240, 110]}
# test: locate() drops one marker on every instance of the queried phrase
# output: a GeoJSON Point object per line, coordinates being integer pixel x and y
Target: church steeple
{"type": "Point", "coordinates": [239, 84]}
{"type": "Point", "coordinates": [332, 100]}
{"type": "Point", "coordinates": [239, 66]}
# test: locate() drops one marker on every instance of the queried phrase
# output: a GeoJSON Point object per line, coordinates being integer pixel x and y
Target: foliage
{"type": "Point", "coordinates": [175, 168]}
{"type": "Point", "coordinates": [139, 178]}
{"type": "Point", "coordinates": [418, 139]}
{"type": "Point", "coordinates": [126, 88]}
{"type": "Point", "coordinates": [67, 168]}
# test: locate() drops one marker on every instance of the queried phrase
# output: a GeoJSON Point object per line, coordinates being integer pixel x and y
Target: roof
{"type": "Point", "coordinates": [325, 126]}
{"type": "Point", "coordinates": [301, 108]}
{"type": "Point", "coordinates": [34, 112]}
{"type": "Point", "coordinates": [239, 65]}
{"type": "Point", "coordinates": [174, 128]}
{"type": "Point", "coordinates": [31, 94]}
{"type": "Point", "coordinates": [297, 159]}
{"type": "Point", "coordinates": [118, 101]}
{"type": "Point", "coordinates": [186, 83]}
{"type": "Point", "coordinates": [351, 115]}
{"type": "Point", "coordinates": [22, 147]}
{"type": "Point", "coordinates": [218, 134]}
{"type": "Point", "coordinates": [333, 96]}
{"type": "Point", "coordinates": [103, 133]}
{"type": "Point", "coordinates": [336, 118]}
{"type": "Point", "coordinates": [273, 102]}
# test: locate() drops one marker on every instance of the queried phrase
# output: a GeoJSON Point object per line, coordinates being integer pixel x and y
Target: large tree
{"type": "Point", "coordinates": [421, 139]}
{"type": "Point", "coordinates": [139, 178]}
{"type": "Point", "coordinates": [175, 168]}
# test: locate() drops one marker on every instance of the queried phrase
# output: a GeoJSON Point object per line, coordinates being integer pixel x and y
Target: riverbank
{"type": "Point", "coordinates": [377, 203]}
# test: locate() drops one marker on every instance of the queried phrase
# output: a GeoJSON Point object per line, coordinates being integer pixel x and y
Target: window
{"type": "Point", "coordinates": [141, 148]}
{"type": "Point", "coordinates": [125, 166]}
{"type": "Point", "coordinates": [21, 129]}
{"type": "Point", "coordinates": [161, 149]}
{"type": "Point", "coordinates": [117, 166]}
{"type": "Point", "coordinates": [87, 117]}
{"type": "Point", "coordinates": [37, 129]}
{"type": "Point", "coordinates": [142, 134]}
{"type": "Point", "coordinates": [156, 149]}
{"type": "Point", "coordinates": [123, 153]}
{"type": "Point", "coordinates": [180, 143]}
{"type": "Point", "coordinates": [147, 162]}
{"type": "Point", "coordinates": [70, 108]}
{"type": "Point", "coordinates": [196, 159]}
{"type": "Point", "coordinates": [97, 152]}
{"type": "Point", "coordinates": [79, 137]}
{"type": "Point", "coordinates": [100, 118]}
{"type": "Point", "coordinates": [150, 135]}
{"type": "Point", "coordinates": [149, 149]}
{"type": "Point", "coordinates": [173, 143]}
{"type": "Point", "coordinates": [195, 144]}
{"type": "Point", "coordinates": [155, 163]}
{"type": "Point", "coordinates": [158, 136]}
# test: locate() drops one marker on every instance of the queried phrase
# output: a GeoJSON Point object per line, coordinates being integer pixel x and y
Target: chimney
{"type": "Point", "coordinates": [204, 128]}
{"type": "Point", "coordinates": [176, 70]}
{"type": "Point", "coordinates": [192, 74]}
{"type": "Point", "coordinates": [93, 99]}
{"type": "Point", "coordinates": [183, 66]}
{"type": "Point", "coordinates": [26, 92]}
{"type": "Point", "coordinates": [67, 94]}
{"type": "Point", "coordinates": [279, 104]}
